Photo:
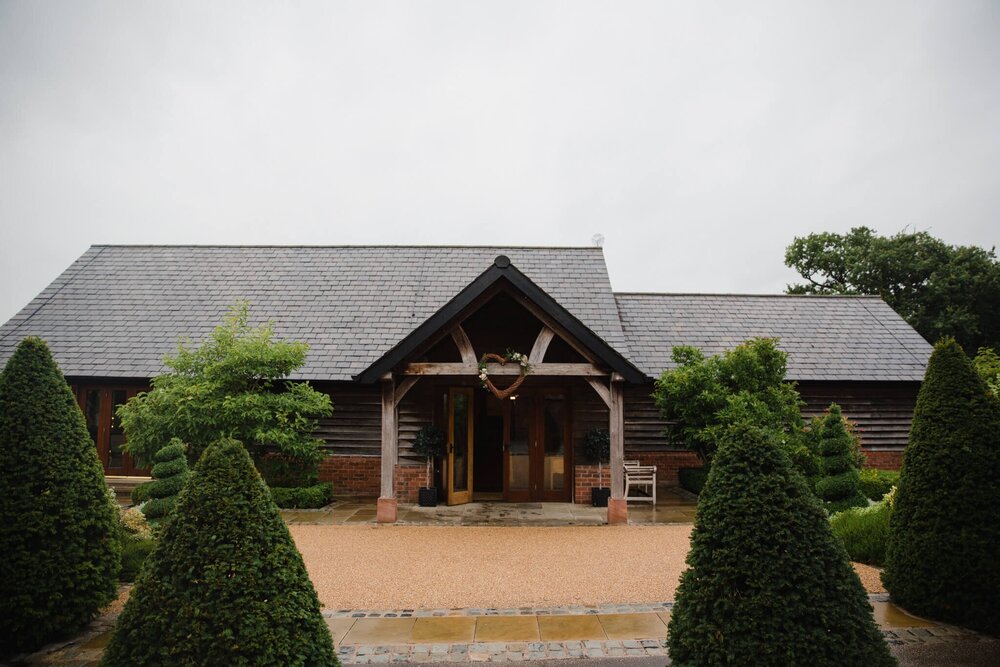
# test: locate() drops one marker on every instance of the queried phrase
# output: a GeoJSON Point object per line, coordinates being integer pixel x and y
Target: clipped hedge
{"type": "Point", "coordinates": [135, 550]}
{"type": "Point", "coordinates": [767, 582]}
{"type": "Point", "coordinates": [140, 493]}
{"type": "Point", "coordinates": [876, 483]}
{"type": "Point", "coordinates": [864, 532]}
{"type": "Point", "coordinates": [692, 479]}
{"type": "Point", "coordinates": [305, 497]}
{"type": "Point", "coordinates": [225, 585]}
{"type": "Point", "coordinates": [942, 558]}
{"type": "Point", "coordinates": [59, 530]}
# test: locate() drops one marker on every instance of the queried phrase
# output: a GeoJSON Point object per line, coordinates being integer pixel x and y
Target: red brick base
{"type": "Point", "coordinates": [409, 479]}
{"type": "Point", "coordinates": [617, 511]}
{"type": "Point", "coordinates": [352, 475]}
{"type": "Point", "coordinates": [667, 464]}
{"type": "Point", "coordinates": [884, 460]}
{"type": "Point", "coordinates": [586, 479]}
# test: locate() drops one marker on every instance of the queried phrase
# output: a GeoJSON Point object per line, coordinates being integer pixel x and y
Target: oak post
{"type": "Point", "coordinates": [617, 506]}
{"type": "Point", "coordinates": [386, 508]}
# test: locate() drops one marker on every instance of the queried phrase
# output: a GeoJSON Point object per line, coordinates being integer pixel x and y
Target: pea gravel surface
{"type": "Point", "coordinates": [435, 567]}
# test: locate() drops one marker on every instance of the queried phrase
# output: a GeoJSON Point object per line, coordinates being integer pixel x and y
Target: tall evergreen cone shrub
{"type": "Point", "coordinates": [943, 555]}
{"type": "Point", "coordinates": [170, 474]}
{"type": "Point", "coordinates": [768, 583]}
{"type": "Point", "coordinates": [58, 529]}
{"type": "Point", "coordinates": [225, 584]}
{"type": "Point", "coordinates": [840, 483]}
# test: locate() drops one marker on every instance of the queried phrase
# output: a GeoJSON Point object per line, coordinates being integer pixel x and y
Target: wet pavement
{"type": "Point", "coordinates": [674, 505]}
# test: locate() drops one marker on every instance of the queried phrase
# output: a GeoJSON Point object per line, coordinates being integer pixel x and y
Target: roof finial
{"type": "Point", "coordinates": [502, 261]}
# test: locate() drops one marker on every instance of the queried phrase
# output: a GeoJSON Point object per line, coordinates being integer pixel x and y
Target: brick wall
{"type": "Point", "coordinates": [667, 464]}
{"type": "Point", "coordinates": [352, 475]}
{"type": "Point", "coordinates": [585, 479]}
{"type": "Point", "coordinates": [409, 480]}
{"type": "Point", "coordinates": [885, 460]}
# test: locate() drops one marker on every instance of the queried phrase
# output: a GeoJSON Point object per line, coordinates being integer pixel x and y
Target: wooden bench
{"type": "Point", "coordinates": [640, 476]}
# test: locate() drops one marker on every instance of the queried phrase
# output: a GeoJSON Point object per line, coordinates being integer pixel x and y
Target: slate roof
{"type": "Point", "coordinates": [830, 338]}
{"type": "Point", "coordinates": [118, 310]}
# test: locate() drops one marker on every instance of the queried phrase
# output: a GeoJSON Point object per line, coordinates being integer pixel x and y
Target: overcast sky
{"type": "Point", "coordinates": [699, 138]}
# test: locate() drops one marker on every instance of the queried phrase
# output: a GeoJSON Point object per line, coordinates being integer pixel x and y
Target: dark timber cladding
{"type": "Point", "coordinates": [883, 412]}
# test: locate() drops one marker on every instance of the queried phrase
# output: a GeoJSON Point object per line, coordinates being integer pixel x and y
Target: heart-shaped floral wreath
{"type": "Point", "coordinates": [484, 374]}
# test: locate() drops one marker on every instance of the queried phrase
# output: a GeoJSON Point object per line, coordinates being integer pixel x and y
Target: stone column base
{"type": "Point", "coordinates": [385, 510]}
{"type": "Point", "coordinates": [617, 511]}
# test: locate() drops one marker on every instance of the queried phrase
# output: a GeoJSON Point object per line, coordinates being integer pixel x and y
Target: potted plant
{"type": "Point", "coordinates": [597, 447]}
{"type": "Point", "coordinates": [429, 443]}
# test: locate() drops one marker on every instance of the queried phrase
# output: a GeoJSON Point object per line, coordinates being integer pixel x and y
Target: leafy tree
{"type": "Point", "coordinates": [59, 530]}
{"type": "Point", "coordinates": [767, 581]}
{"type": "Point", "coordinates": [944, 534]}
{"type": "Point", "coordinates": [840, 484]}
{"type": "Point", "coordinates": [987, 364]}
{"type": "Point", "coordinates": [597, 447]}
{"type": "Point", "coordinates": [230, 387]}
{"type": "Point", "coordinates": [694, 396]}
{"type": "Point", "coordinates": [225, 585]}
{"type": "Point", "coordinates": [170, 474]}
{"type": "Point", "coordinates": [429, 443]}
{"type": "Point", "coordinates": [941, 290]}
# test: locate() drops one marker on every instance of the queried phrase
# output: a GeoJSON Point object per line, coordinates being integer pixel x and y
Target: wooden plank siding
{"type": "Point", "coordinates": [883, 411]}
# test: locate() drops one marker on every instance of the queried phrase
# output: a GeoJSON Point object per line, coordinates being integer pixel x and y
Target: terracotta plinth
{"type": "Point", "coordinates": [385, 510]}
{"type": "Point", "coordinates": [617, 511]}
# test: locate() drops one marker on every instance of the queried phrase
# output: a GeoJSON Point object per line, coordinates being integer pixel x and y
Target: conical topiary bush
{"type": "Point", "coordinates": [58, 529]}
{"type": "Point", "coordinates": [943, 553]}
{"type": "Point", "coordinates": [225, 584]}
{"type": "Point", "coordinates": [840, 484]}
{"type": "Point", "coordinates": [768, 583]}
{"type": "Point", "coordinates": [170, 474]}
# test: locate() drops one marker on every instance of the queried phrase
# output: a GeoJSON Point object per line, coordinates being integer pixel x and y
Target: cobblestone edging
{"type": "Point", "coordinates": [523, 651]}
{"type": "Point", "coordinates": [568, 610]}
{"type": "Point", "coordinates": [501, 652]}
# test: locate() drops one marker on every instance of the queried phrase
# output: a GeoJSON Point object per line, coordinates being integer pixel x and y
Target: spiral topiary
{"type": "Point", "coordinates": [840, 484]}
{"type": "Point", "coordinates": [170, 474]}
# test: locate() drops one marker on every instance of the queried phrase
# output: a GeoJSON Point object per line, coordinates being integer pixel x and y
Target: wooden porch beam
{"type": "Point", "coordinates": [404, 387]}
{"type": "Point", "coordinates": [601, 390]}
{"type": "Point", "coordinates": [617, 507]}
{"type": "Point", "coordinates": [464, 345]}
{"type": "Point", "coordinates": [541, 345]}
{"type": "Point", "coordinates": [549, 370]}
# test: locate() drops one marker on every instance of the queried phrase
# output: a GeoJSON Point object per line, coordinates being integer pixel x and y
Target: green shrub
{"type": "Point", "coordinates": [767, 583]}
{"type": "Point", "coordinates": [135, 550]}
{"type": "Point", "coordinates": [864, 532]}
{"type": "Point", "coordinates": [225, 585]}
{"type": "Point", "coordinates": [170, 474]}
{"type": "Point", "coordinates": [692, 479]}
{"type": "Point", "coordinates": [58, 527]}
{"type": "Point", "coordinates": [942, 558]}
{"type": "Point", "coordinates": [140, 493]}
{"type": "Point", "coordinates": [279, 469]}
{"type": "Point", "coordinates": [876, 483]}
{"type": "Point", "coordinates": [839, 485]}
{"type": "Point", "coordinates": [308, 497]}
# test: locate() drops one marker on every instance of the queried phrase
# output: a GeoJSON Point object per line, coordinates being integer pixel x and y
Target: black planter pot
{"type": "Point", "coordinates": [428, 497]}
{"type": "Point", "coordinates": [599, 497]}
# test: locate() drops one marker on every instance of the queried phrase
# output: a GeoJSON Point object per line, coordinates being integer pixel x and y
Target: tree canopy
{"type": "Point", "coordinates": [697, 395]}
{"type": "Point", "coordinates": [940, 289]}
{"type": "Point", "coordinates": [232, 386]}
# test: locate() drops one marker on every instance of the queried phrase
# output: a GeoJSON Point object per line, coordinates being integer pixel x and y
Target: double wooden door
{"type": "Point", "coordinates": [537, 451]}
{"type": "Point", "coordinates": [100, 408]}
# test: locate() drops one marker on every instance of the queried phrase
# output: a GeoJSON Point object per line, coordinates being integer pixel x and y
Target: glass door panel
{"type": "Point", "coordinates": [518, 483]}
{"type": "Point", "coordinates": [116, 436]}
{"type": "Point", "coordinates": [554, 445]}
{"type": "Point", "coordinates": [459, 446]}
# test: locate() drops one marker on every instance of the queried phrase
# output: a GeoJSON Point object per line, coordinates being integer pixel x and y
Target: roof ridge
{"type": "Point", "coordinates": [809, 296]}
{"type": "Point", "coordinates": [351, 246]}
